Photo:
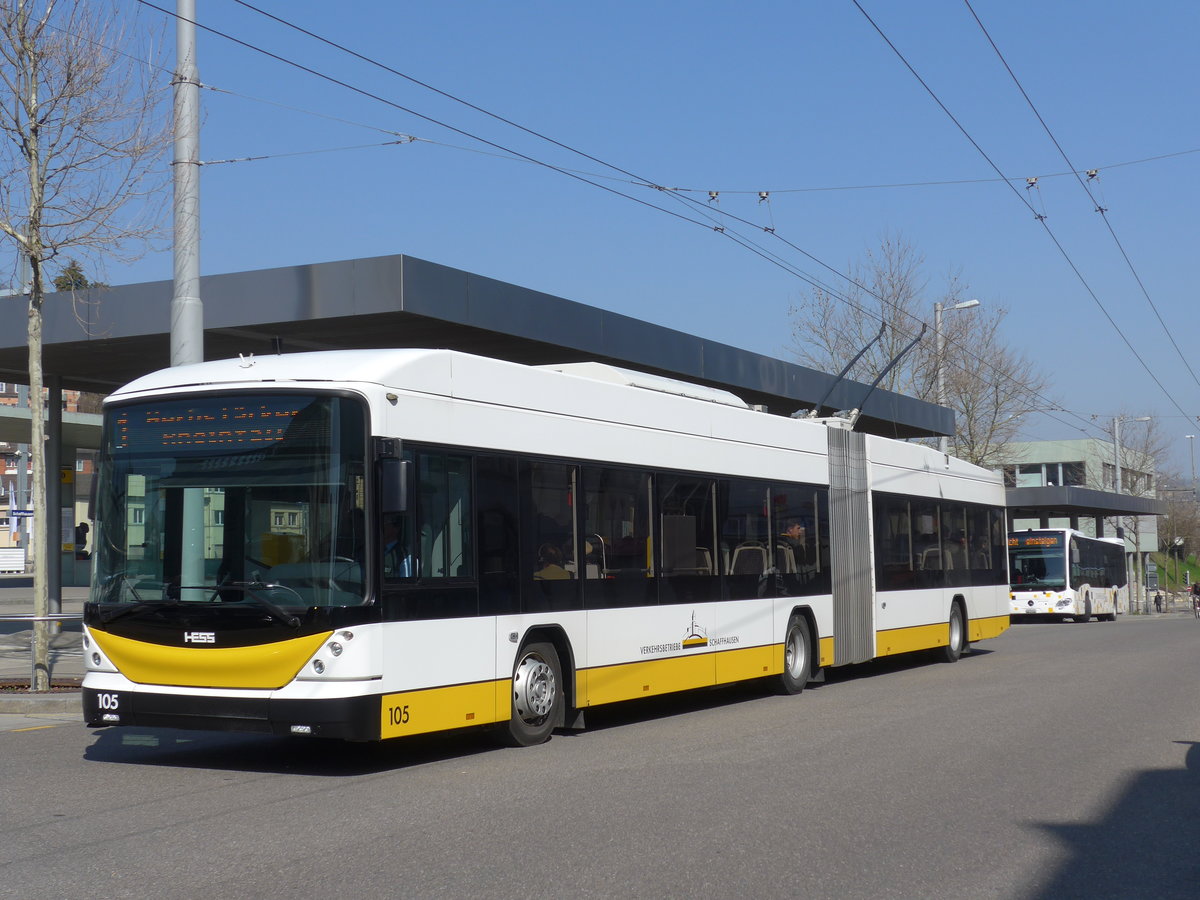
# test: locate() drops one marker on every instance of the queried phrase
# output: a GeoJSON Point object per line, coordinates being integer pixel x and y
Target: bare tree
{"type": "Point", "coordinates": [988, 385]}
{"type": "Point", "coordinates": [1179, 529]}
{"type": "Point", "coordinates": [1142, 443]}
{"type": "Point", "coordinates": [828, 329]}
{"type": "Point", "coordinates": [82, 136]}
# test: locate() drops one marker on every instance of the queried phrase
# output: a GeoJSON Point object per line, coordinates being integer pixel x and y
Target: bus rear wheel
{"type": "Point", "coordinates": [797, 649]}
{"type": "Point", "coordinates": [958, 635]}
{"type": "Point", "coordinates": [537, 696]}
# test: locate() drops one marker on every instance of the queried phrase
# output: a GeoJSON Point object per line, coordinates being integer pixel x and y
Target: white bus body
{"type": "Point", "coordinates": [1057, 572]}
{"type": "Point", "coordinates": [568, 537]}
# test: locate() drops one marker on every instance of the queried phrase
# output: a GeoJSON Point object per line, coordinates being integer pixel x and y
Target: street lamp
{"type": "Point", "coordinates": [943, 441]}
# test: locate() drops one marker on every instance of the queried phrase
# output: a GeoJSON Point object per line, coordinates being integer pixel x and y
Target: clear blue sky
{"type": "Point", "coordinates": [747, 96]}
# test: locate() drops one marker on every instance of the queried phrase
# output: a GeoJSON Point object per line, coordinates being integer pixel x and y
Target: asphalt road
{"type": "Point", "coordinates": [1056, 761]}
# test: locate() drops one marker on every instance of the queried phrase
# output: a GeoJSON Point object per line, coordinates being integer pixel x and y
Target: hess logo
{"type": "Point", "coordinates": [199, 637]}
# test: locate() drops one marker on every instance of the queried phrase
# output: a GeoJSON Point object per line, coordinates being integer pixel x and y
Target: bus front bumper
{"type": "Point", "coordinates": [347, 718]}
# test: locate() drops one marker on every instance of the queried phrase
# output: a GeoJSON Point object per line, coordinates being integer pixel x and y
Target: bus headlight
{"type": "Point", "coordinates": [335, 648]}
{"type": "Point", "coordinates": [318, 667]}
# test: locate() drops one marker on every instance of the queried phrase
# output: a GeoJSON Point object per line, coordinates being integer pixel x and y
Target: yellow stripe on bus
{"type": "Point", "coordinates": [906, 640]}
{"type": "Point", "coordinates": [648, 678]}
{"type": "Point", "coordinates": [260, 667]}
{"type": "Point", "coordinates": [826, 652]}
{"type": "Point", "coordinates": [926, 637]}
{"type": "Point", "coordinates": [444, 708]}
{"type": "Point", "coordinates": [982, 629]}
{"type": "Point", "coordinates": [486, 702]}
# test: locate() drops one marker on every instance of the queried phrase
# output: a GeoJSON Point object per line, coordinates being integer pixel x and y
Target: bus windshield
{"type": "Point", "coordinates": [254, 498]}
{"type": "Point", "coordinates": [1036, 568]}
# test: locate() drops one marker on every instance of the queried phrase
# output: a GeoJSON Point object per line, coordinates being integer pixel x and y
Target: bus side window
{"type": "Point", "coordinates": [439, 545]}
{"type": "Point", "coordinates": [550, 564]}
{"type": "Point", "coordinates": [687, 547]}
{"type": "Point", "coordinates": [927, 542]}
{"type": "Point", "coordinates": [497, 508]}
{"type": "Point", "coordinates": [617, 511]}
{"type": "Point", "coordinates": [444, 516]}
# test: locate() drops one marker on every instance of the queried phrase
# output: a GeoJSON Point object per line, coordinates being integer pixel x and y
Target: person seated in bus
{"type": "Point", "coordinates": [794, 538]}
{"type": "Point", "coordinates": [549, 564]}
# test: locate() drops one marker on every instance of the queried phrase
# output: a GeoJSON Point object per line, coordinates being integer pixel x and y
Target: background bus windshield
{"type": "Point", "coordinates": [1036, 568]}
{"type": "Point", "coordinates": [210, 498]}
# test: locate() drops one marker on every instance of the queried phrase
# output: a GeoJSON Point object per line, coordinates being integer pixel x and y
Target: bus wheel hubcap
{"type": "Point", "coordinates": [533, 688]}
{"type": "Point", "coordinates": [795, 660]}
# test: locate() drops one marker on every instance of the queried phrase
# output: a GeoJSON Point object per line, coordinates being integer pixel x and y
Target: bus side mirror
{"type": "Point", "coordinates": [393, 485]}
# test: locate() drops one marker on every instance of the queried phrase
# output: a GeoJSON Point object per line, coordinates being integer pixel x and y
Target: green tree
{"type": "Point", "coordinates": [73, 278]}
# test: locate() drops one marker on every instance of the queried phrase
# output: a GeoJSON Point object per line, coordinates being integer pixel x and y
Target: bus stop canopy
{"type": "Point", "coordinates": [105, 337]}
{"type": "Point", "coordinates": [1068, 502]}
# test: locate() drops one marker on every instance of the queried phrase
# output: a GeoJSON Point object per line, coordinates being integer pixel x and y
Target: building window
{"type": "Point", "coordinates": [1109, 479]}
{"type": "Point", "coordinates": [1030, 475]}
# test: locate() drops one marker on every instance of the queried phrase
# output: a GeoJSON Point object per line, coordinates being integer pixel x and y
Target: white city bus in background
{"type": "Point", "coordinates": [379, 543]}
{"type": "Point", "coordinates": [1060, 572]}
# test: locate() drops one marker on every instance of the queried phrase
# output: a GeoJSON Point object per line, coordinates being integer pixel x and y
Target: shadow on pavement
{"type": "Point", "coordinates": [279, 755]}
{"type": "Point", "coordinates": [1146, 845]}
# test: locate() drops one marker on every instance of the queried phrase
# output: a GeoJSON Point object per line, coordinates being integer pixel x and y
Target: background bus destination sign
{"type": "Point", "coordinates": [1035, 540]}
{"type": "Point", "coordinates": [255, 422]}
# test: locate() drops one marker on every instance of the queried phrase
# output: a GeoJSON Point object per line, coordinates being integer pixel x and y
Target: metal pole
{"type": "Point", "coordinates": [1117, 453]}
{"type": "Point", "coordinates": [53, 512]}
{"type": "Point", "coordinates": [187, 312]}
{"type": "Point", "coordinates": [943, 441]}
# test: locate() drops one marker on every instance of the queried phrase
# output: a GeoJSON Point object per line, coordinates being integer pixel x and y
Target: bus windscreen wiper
{"type": "Point", "coordinates": [111, 615]}
{"type": "Point", "coordinates": [278, 612]}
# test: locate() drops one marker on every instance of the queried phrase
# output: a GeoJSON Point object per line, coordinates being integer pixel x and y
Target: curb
{"type": "Point", "coordinates": [41, 702]}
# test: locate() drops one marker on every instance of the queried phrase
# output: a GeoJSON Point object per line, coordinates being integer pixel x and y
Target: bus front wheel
{"type": "Point", "coordinates": [1087, 610]}
{"type": "Point", "coordinates": [537, 696]}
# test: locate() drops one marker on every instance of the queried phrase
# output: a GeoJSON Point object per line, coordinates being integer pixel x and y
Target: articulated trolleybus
{"type": "Point", "coordinates": [1056, 572]}
{"type": "Point", "coordinates": [375, 544]}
